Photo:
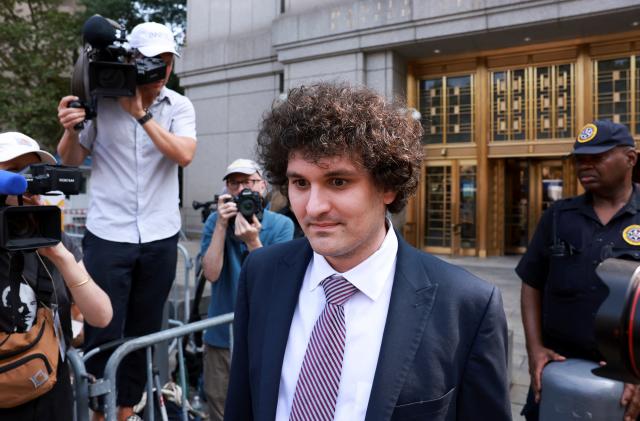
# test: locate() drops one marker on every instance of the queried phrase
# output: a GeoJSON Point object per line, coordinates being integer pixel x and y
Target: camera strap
{"type": "Point", "coordinates": [45, 284]}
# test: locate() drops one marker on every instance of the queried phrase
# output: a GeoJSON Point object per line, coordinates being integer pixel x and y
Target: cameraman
{"type": "Point", "coordinates": [130, 247]}
{"type": "Point", "coordinates": [62, 261]}
{"type": "Point", "coordinates": [226, 239]}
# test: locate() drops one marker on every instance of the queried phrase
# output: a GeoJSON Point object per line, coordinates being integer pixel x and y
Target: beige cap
{"type": "Point", "coordinates": [242, 166]}
{"type": "Point", "coordinates": [15, 144]}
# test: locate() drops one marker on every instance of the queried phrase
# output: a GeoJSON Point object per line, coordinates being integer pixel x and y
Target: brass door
{"type": "Point", "coordinates": [450, 194]}
{"type": "Point", "coordinates": [531, 185]}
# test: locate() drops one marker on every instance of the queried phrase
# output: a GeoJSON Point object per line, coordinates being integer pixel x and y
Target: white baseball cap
{"type": "Point", "coordinates": [14, 144]}
{"type": "Point", "coordinates": [242, 166]}
{"type": "Point", "coordinates": [152, 38]}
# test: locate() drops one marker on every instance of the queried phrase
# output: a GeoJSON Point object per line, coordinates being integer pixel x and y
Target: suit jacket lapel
{"type": "Point", "coordinates": [412, 298]}
{"type": "Point", "coordinates": [285, 290]}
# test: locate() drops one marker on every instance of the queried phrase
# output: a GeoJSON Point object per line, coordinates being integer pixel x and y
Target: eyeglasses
{"type": "Point", "coordinates": [246, 183]}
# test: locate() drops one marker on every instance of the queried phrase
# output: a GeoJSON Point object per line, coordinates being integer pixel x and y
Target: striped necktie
{"type": "Point", "coordinates": [319, 379]}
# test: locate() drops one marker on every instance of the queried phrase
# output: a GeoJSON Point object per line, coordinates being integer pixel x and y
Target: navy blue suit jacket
{"type": "Point", "coordinates": [443, 354]}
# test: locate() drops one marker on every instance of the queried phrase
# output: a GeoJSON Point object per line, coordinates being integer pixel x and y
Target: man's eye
{"type": "Point", "coordinates": [339, 182]}
{"type": "Point", "coordinates": [299, 183]}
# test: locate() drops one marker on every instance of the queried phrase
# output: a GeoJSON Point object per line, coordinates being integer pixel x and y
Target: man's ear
{"type": "Point", "coordinates": [632, 156]}
{"type": "Point", "coordinates": [389, 196]}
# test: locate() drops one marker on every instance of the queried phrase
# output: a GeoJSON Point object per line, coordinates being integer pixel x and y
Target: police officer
{"type": "Point", "coordinates": [560, 290]}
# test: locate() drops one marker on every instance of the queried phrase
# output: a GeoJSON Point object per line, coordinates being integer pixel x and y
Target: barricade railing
{"type": "Point", "coordinates": [188, 265]}
{"type": "Point", "coordinates": [107, 385]}
{"type": "Point", "coordinates": [81, 385]}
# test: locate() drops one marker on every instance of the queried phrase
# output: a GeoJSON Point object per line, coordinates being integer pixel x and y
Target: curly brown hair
{"type": "Point", "coordinates": [330, 119]}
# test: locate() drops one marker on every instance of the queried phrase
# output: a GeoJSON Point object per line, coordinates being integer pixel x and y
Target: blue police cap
{"type": "Point", "coordinates": [601, 136]}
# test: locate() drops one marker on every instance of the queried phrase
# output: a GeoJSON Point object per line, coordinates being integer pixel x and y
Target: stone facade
{"type": "Point", "coordinates": [241, 54]}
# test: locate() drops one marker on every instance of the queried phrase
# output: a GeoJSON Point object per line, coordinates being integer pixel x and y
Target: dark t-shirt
{"type": "Point", "coordinates": [571, 290]}
{"type": "Point", "coordinates": [57, 403]}
{"type": "Point", "coordinates": [34, 272]}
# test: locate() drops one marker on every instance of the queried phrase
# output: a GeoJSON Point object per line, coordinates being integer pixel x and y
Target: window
{"type": "Point", "coordinates": [613, 90]}
{"type": "Point", "coordinates": [532, 103]}
{"type": "Point", "coordinates": [446, 105]}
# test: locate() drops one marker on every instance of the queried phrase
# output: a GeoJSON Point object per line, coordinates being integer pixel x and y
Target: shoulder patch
{"type": "Point", "coordinates": [631, 235]}
{"type": "Point", "coordinates": [587, 133]}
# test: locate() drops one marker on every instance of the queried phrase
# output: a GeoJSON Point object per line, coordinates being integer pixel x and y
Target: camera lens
{"type": "Point", "coordinates": [22, 226]}
{"type": "Point", "coordinates": [109, 78]}
{"type": "Point", "coordinates": [247, 207]}
{"type": "Point", "coordinates": [617, 321]}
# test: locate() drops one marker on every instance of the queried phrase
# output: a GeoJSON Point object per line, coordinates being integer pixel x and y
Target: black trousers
{"type": "Point", "coordinates": [137, 278]}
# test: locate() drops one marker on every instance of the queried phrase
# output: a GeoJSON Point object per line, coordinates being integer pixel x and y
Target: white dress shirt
{"type": "Point", "coordinates": [365, 317]}
{"type": "Point", "coordinates": [134, 187]}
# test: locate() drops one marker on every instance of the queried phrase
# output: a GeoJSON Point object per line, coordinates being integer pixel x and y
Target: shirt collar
{"type": "Point", "coordinates": [163, 96]}
{"type": "Point", "coordinates": [370, 275]}
{"type": "Point", "coordinates": [585, 201]}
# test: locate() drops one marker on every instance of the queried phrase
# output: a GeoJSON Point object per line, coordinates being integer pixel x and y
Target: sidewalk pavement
{"type": "Point", "coordinates": [497, 270]}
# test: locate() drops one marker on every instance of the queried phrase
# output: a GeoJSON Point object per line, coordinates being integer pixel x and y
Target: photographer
{"type": "Point", "coordinates": [60, 264]}
{"type": "Point", "coordinates": [226, 239]}
{"type": "Point", "coordinates": [133, 220]}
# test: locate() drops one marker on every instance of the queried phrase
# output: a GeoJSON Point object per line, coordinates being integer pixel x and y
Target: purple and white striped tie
{"type": "Point", "coordinates": [319, 379]}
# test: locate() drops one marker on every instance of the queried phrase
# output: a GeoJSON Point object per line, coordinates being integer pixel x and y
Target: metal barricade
{"type": "Point", "coordinates": [80, 384]}
{"type": "Point", "coordinates": [188, 265]}
{"type": "Point", "coordinates": [107, 385]}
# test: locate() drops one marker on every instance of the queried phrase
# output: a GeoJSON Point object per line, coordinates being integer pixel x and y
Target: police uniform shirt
{"type": "Point", "coordinates": [564, 270]}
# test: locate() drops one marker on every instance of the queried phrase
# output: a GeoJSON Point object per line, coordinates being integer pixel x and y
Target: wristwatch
{"type": "Point", "coordinates": [148, 116]}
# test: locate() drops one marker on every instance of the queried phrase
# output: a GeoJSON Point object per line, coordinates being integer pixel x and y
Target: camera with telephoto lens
{"type": "Point", "coordinates": [107, 68]}
{"type": "Point", "coordinates": [249, 203]}
{"type": "Point", "coordinates": [617, 322]}
{"type": "Point", "coordinates": [26, 228]}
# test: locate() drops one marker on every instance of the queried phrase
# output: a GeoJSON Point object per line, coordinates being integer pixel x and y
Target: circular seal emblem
{"type": "Point", "coordinates": [631, 235]}
{"type": "Point", "coordinates": [588, 133]}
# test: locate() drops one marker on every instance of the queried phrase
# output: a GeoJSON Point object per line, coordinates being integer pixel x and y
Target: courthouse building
{"type": "Point", "coordinates": [502, 87]}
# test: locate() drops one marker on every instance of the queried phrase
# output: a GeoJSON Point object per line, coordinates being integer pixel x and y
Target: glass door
{"type": "Point", "coordinates": [531, 186]}
{"type": "Point", "coordinates": [438, 218]}
{"type": "Point", "coordinates": [517, 202]}
{"type": "Point", "coordinates": [450, 208]}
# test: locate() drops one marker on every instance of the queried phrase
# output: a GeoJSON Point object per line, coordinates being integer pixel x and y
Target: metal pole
{"type": "Point", "coordinates": [188, 265]}
{"type": "Point", "coordinates": [81, 383]}
{"type": "Point", "coordinates": [149, 412]}
{"type": "Point", "coordinates": [183, 382]}
{"type": "Point", "coordinates": [144, 341]}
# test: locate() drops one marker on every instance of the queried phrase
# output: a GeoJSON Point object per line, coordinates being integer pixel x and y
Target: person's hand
{"type": "Point", "coordinates": [227, 209]}
{"type": "Point", "coordinates": [133, 105]}
{"type": "Point", "coordinates": [67, 116]}
{"type": "Point", "coordinates": [27, 200]}
{"type": "Point", "coordinates": [55, 253]}
{"type": "Point", "coordinates": [631, 400]}
{"type": "Point", "coordinates": [249, 233]}
{"type": "Point", "coordinates": [538, 359]}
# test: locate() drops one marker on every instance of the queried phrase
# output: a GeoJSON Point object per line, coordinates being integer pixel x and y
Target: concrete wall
{"type": "Point", "coordinates": [228, 115]}
{"type": "Point", "coordinates": [237, 51]}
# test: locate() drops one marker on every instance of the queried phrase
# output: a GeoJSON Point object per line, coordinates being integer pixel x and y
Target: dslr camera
{"type": "Point", "coordinates": [249, 203]}
{"type": "Point", "coordinates": [26, 228]}
{"type": "Point", "coordinates": [107, 68]}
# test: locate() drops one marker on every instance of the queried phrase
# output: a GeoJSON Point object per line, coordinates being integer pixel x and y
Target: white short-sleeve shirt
{"type": "Point", "coordinates": [134, 187]}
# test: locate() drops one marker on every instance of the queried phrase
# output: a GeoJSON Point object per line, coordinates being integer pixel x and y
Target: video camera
{"type": "Point", "coordinates": [617, 321]}
{"type": "Point", "coordinates": [26, 228]}
{"type": "Point", "coordinates": [106, 68]}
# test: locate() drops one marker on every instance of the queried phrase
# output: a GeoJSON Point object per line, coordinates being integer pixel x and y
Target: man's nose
{"type": "Point", "coordinates": [318, 202]}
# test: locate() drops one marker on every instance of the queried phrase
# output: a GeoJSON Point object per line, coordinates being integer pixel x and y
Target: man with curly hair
{"type": "Point", "coordinates": [352, 323]}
